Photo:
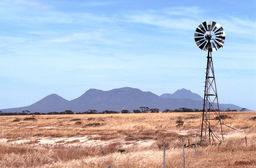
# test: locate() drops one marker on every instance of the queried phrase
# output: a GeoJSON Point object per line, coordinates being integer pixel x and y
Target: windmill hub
{"type": "Point", "coordinates": [208, 35]}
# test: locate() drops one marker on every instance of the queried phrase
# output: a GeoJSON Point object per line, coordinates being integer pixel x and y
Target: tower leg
{"type": "Point", "coordinates": [211, 110]}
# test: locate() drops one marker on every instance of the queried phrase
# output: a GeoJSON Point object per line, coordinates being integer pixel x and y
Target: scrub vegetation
{"type": "Point", "coordinates": [123, 140]}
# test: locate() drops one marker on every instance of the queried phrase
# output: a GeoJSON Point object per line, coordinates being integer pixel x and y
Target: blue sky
{"type": "Point", "coordinates": [67, 47]}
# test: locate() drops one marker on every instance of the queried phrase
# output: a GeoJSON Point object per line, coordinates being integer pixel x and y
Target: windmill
{"type": "Point", "coordinates": [209, 37]}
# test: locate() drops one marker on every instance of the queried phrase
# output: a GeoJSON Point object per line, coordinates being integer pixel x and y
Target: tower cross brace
{"type": "Point", "coordinates": [211, 119]}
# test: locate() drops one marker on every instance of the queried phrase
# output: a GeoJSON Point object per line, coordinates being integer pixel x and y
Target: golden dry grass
{"type": "Point", "coordinates": [122, 141]}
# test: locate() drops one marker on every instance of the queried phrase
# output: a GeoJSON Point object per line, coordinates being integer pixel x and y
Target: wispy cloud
{"type": "Point", "coordinates": [188, 18]}
{"type": "Point", "coordinates": [78, 37]}
{"type": "Point", "coordinates": [184, 11]}
{"type": "Point", "coordinates": [240, 26]}
{"type": "Point", "coordinates": [98, 3]}
{"type": "Point", "coordinates": [162, 21]}
{"type": "Point", "coordinates": [28, 3]}
{"type": "Point", "coordinates": [31, 12]}
{"type": "Point", "coordinates": [58, 17]}
{"type": "Point", "coordinates": [180, 18]}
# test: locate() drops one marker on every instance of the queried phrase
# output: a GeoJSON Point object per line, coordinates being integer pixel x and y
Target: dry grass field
{"type": "Point", "coordinates": [123, 141]}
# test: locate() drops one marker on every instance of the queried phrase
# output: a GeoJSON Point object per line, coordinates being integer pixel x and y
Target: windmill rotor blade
{"type": "Point", "coordinates": [202, 37]}
{"type": "Point", "coordinates": [201, 46]}
{"type": "Point", "coordinates": [205, 25]}
{"type": "Point", "coordinates": [202, 28]}
{"type": "Point", "coordinates": [217, 26]}
{"type": "Point", "coordinates": [204, 45]}
{"type": "Point", "coordinates": [199, 43]}
{"type": "Point", "coordinates": [220, 41]}
{"type": "Point", "coordinates": [219, 45]}
{"type": "Point", "coordinates": [209, 25]}
{"type": "Point", "coordinates": [219, 29]}
{"type": "Point", "coordinates": [214, 46]}
{"type": "Point", "coordinates": [199, 31]}
{"type": "Point", "coordinates": [219, 33]}
{"type": "Point", "coordinates": [213, 25]}
{"type": "Point", "coordinates": [220, 37]}
{"type": "Point", "coordinates": [199, 39]}
{"type": "Point", "coordinates": [199, 35]}
{"type": "Point", "coordinates": [207, 46]}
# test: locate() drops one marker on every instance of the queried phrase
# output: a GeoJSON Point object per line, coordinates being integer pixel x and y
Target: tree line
{"type": "Point", "coordinates": [140, 110]}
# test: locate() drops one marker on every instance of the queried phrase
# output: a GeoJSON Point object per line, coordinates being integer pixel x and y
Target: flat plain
{"type": "Point", "coordinates": [124, 141]}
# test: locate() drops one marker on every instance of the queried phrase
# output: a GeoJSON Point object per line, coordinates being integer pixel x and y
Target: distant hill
{"type": "Point", "coordinates": [182, 94]}
{"type": "Point", "coordinates": [118, 99]}
{"type": "Point", "coordinates": [50, 103]}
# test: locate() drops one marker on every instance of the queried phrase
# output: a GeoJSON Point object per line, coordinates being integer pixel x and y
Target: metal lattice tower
{"type": "Point", "coordinates": [211, 108]}
{"type": "Point", "coordinates": [209, 37]}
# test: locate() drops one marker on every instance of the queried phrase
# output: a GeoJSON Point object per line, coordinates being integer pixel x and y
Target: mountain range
{"type": "Point", "coordinates": [117, 100]}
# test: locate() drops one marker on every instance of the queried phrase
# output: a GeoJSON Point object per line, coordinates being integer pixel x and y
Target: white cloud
{"type": "Point", "coordinates": [88, 39]}
{"type": "Point", "coordinates": [240, 26]}
{"type": "Point", "coordinates": [180, 18]}
{"type": "Point", "coordinates": [78, 37]}
{"type": "Point", "coordinates": [96, 4]}
{"type": "Point", "coordinates": [28, 3]}
{"type": "Point", "coordinates": [188, 18]}
{"type": "Point", "coordinates": [163, 21]}
{"type": "Point", "coordinates": [184, 11]}
{"type": "Point", "coordinates": [32, 12]}
{"type": "Point", "coordinates": [57, 17]}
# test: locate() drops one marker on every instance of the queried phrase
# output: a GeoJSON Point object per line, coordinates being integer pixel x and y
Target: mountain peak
{"type": "Point", "coordinates": [126, 89]}
{"type": "Point", "coordinates": [182, 94]}
{"type": "Point", "coordinates": [52, 98]}
{"type": "Point", "coordinates": [53, 95]}
{"type": "Point", "coordinates": [91, 90]}
{"type": "Point", "coordinates": [183, 90]}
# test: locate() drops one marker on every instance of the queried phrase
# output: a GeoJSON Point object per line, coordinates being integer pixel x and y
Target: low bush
{"type": "Point", "coordinates": [179, 122]}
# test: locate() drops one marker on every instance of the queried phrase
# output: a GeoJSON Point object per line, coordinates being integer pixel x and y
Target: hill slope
{"type": "Point", "coordinates": [118, 99]}
{"type": "Point", "coordinates": [182, 94]}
